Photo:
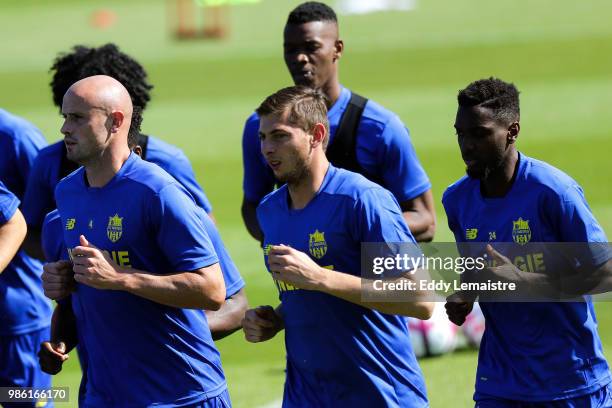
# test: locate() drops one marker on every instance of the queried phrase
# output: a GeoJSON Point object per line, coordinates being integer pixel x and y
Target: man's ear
{"type": "Point", "coordinates": [117, 118]}
{"type": "Point", "coordinates": [513, 132]}
{"type": "Point", "coordinates": [138, 150]}
{"type": "Point", "coordinates": [319, 133]}
{"type": "Point", "coordinates": [338, 49]}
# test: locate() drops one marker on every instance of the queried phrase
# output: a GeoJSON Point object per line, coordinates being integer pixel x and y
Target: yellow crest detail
{"type": "Point", "coordinates": [521, 233]}
{"type": "Point", "coordinates": [317, 245]}
{"type": "Point", "coordinates": [70, 223]}
{"type": "Point", "coordinates": [471, 233]}
{"type": "Point", "coordinates": [114, 228]}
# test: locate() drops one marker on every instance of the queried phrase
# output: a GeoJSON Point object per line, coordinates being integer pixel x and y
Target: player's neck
{"type": "Point", "coordinates": [102, 170]}
{"type": "Point", "coordinates": [499, 182]}
{"type": "Point", "coordinates": [304, 190]}
{"type": "Point", "coordinates": [332, 90]}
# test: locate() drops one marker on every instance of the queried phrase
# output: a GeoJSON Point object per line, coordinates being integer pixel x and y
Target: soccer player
{"type": "Point", "coordinates": [341, 351]}
{"type": "Point", "coordinates": [52, 164]}
{"type": "Point", "coordinates": [24, 311]}
{"type": "Point", "coordinates": [141, 294]}
{"type": "Point", "coordinates": [64, 336]}
{"type": "Point", "coordinates": [364, 136]}
{"type": "Point", "coordinates": [536, 354]}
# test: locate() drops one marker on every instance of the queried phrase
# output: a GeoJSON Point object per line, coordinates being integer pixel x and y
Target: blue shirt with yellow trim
{"type": "Point", "coordinates": [384, 150]}
{"type": "Point", "coordinates": [533, 351]}
{"type": "Point", "coordinates": [145, 219]}
{"type": "Point", "coordinates": [339, 353]}
{"type": "Point", "coordinates": [54, 248]}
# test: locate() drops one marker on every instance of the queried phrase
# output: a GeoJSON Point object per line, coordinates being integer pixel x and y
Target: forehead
{"type": "Point", "coordinates": [312, 31]}
{"type": "Point", "coordinates": [74, 102]}
{"type": "Point", "coordinates": [270, 123]}
{"type": "Point", "coordinates": [474, 116]}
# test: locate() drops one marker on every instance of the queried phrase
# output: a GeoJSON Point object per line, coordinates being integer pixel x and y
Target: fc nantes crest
{"type": "Point", "coordinates": [317, 245]}
{"type": "Point", "coordinates": [114, 228]}
{"type": "Point", "coordinates": [521, 234]}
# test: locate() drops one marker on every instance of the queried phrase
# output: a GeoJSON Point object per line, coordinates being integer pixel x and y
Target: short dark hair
{"type": "Point", "coordinates": [312, 11]}
{"type": "Point", "coordinates": [134, 132]}
{"type": "Point", "coordinates": [493, 93]}
{"type": "Point", "coordinates": [83, 62]}
{"type": "Point", "coordinates": [306, 107]}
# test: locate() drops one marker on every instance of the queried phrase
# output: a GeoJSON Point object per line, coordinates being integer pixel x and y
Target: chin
{"type": "Point", "coordinates": [475, 173]}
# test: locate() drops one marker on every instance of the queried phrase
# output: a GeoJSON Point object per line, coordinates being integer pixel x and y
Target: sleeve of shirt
{"type": "Point", "coordinates": [402, 171]}
{"type": "Point", "coordinates": [52, 238]}
{"type": "Point", "coordinates": [379, 220]}
{"type": "Point", "coordinates": [453, 225]}
{"type": "Point", "coordinates": [26, 150]}
{"type": "Point", "coordinates": [8, 204]}
{"type": "Point", "coordinates": [231, 275]}
{"type": "Point", "coordinates": [182, 171]}
{"type": "Point", "coordinates": [38, 197]}
{"type": "Point", "coordinates": [181, 236]}
{"type": "Point", "coordinates": [258, 179]}
{"type": "Point", "coordinates": [577, 224]}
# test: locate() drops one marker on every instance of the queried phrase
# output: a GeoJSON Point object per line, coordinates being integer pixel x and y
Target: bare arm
{"type": "Point", "coordinates": [351, 288]}
{"type": "Point", "coordinates": [298, 269]}
{"type": "Point", "coordinates": [53, 353]}
{"type": "Point", "coordinates": [249, 215]}
{"type": "Point", "coordinates": [228, 318]}
{"type": "Point", "coordinates": [202, 288]}
{"type": "Point", "coordinates": [12, 234]}
{"type": "Point", "coordinates": [420, 215]}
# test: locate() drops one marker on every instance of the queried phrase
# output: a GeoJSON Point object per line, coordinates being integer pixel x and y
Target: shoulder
{"type": "Point", "coordinates": [376, 116]}
{"type": "Point", "coordinates": [163, 153]}
{"type": "Point", "coordinates": [51, 153]}
{"type": "Point", "coordinates": [149, 176]}
{"type": "Point", "coordinates": [273, 199]}
{"type": "Point", "coordinates": [356, 188]}
{"type": "Point", "coordinates": [542, 175]}
{"type": "Point", "coordinates": [19, 130]}
{"type": "Point", "coordinates": [458, 188]}
{"type": "Point", "coordinates": [457, 193]}
{"type": "Point", "coordinates": [251, 126]}
{"type": "Point", "coordinates": [70, 183]}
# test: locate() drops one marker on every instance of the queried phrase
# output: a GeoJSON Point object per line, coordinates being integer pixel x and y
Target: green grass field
{"type": "Point", "coordinates": [559, 54]}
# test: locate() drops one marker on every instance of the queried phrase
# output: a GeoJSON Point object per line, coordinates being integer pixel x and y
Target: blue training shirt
{"type": "Point", "coordinates": [23, 306]}
{"type": "Point", "coordinates": [141, 352]}
{"type": "Point", "coordinates": [384, 149]}
{"type": "Point", "coordinates": [339, 353]}
{"type": "Point", "coordinates": [54, 248]}
{"type": "Point", "coordinates": [39, 200]}
{"type": "Point", "coordinates": [533, 351]}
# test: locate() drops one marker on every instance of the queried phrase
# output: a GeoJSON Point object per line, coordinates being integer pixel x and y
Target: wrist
{"type": "Point", "coordinates": [123, 281]}
{"type": "Point", "coordinates": [324, 280]}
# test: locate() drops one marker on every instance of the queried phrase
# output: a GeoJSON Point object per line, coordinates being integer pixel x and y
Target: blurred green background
{"type": "Point", "coordinates": [558, 53]}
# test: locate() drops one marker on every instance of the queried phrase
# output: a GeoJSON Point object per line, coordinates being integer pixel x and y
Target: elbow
{"type": "Point", "coordinates": [216, 298]}
{"type": "Point", "coordinates": [428, 234]}
{"type": "Point", "coordinates": [212, 288]}
{"type": "Point", "coordinates": [423, 310]}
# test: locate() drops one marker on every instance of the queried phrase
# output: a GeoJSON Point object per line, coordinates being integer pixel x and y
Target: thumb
{"type": "Point", "coordinates": [84, 242]}
{"type": "Point", "coordinates": [60, 347]}
{"type": "Point", "coordinates": [495, 255]}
